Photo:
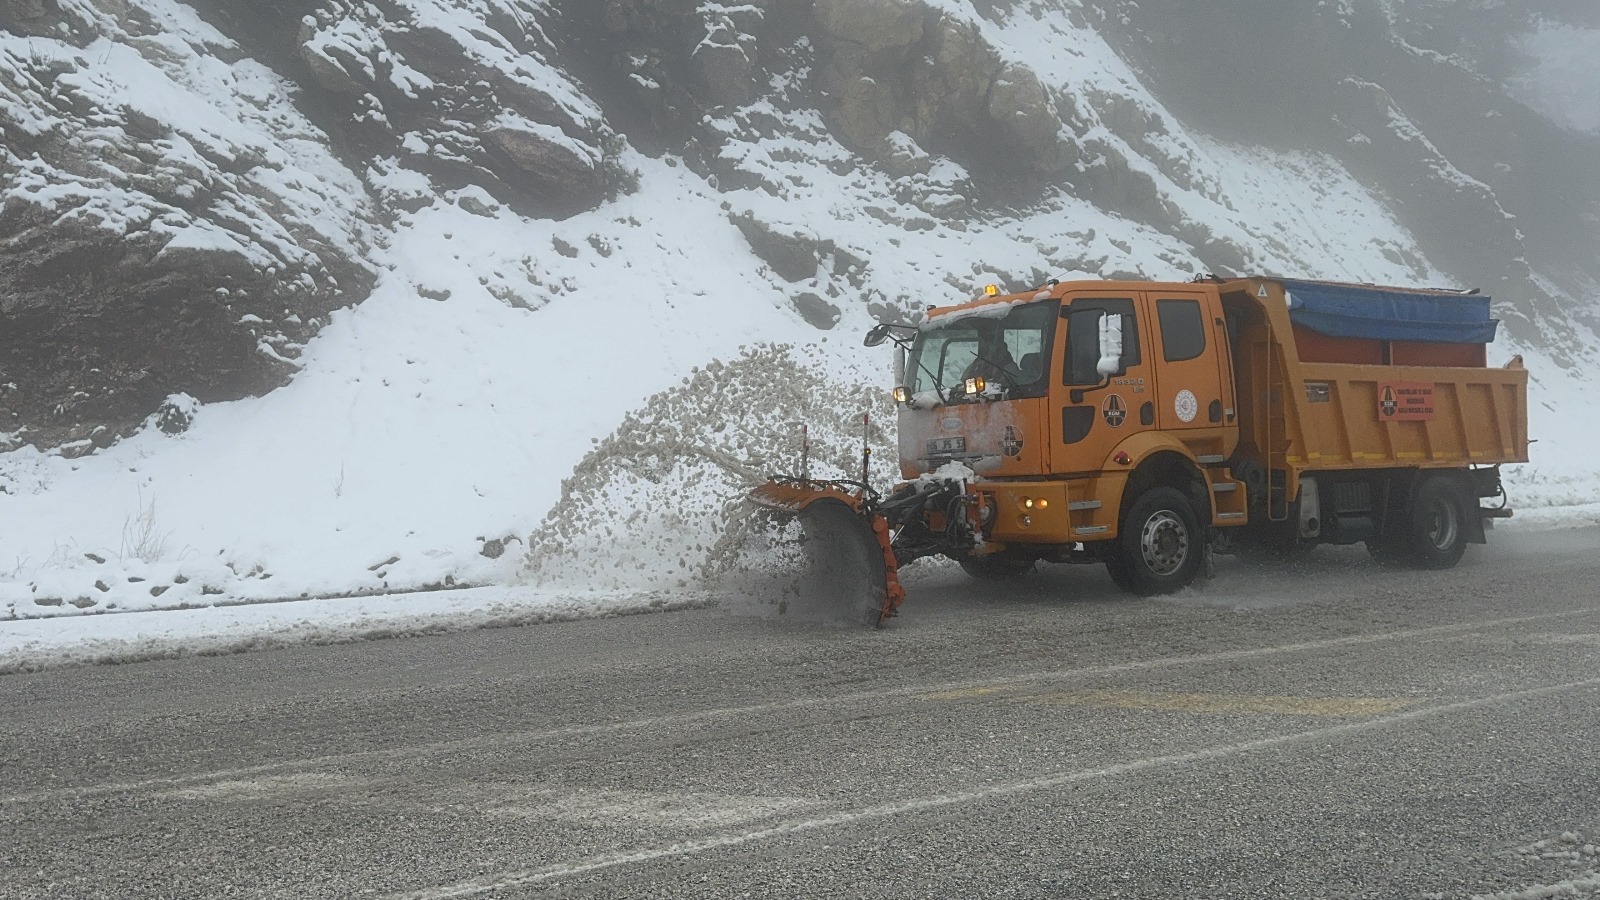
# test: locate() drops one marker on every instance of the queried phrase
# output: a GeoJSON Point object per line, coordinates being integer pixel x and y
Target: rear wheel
{"type": "Point", "coordinates": [997, 566]}
{"type": "Point", "coordinates": [1438, 533]}
{"type": "Point", "coordinates": [1161, 545]}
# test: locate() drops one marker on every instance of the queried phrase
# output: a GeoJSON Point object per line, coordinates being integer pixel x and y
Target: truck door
{"type": "Point", "coordinates": [1193, 388]}
{"type": "Point", "coordinates": [1087, 428]}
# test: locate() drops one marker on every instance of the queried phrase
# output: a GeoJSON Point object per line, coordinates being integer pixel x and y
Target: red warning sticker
{"type": "Point", "coordinates": [1405, 401]}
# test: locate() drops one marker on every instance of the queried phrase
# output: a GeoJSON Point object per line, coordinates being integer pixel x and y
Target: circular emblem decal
{"type": "Point", "coordinates": [1114, 410]}
{"type": "Point", "coordinates": [950, 424]}
{"type": "Point", "coordinates": [1186, 406]}
{"type": "Point", "coordinates": [1011, 444]}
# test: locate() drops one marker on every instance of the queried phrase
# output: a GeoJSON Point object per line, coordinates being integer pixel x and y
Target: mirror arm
{"type": "Point", "coordinates": [1077, 393]}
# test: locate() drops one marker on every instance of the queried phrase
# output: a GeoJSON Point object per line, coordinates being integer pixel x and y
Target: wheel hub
{"type": "Point", "coordinates": [1442, 525]}
{"type": "Point", "coordinates": [1164, 543]}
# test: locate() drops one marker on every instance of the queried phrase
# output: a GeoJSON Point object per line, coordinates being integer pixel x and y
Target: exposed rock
{"type": "Point", "coordinates": [22, 12]}
{"type": "Point", "coordinates": [643, 16]}
{"type": "Point", "coordinates": [478, 202]}
{"type": "Point", "coordinates": [902, 157]}
{"type": "Point", "coordinates": [953, 78]}
{"type": "Point", "coordinates": [866, 109]}
{"type": "Point", "coordinates": [549, 163]}
{"type": "Point", "coordinates": [484, 107]}
{"type": "Point", "coordinates": [868, 45]}
{"type": "Point", "coordinates": [142, 257]}
{"type": "Point", "coordinates": [1025, 112]}
{"type": "Point", "coordinates": [791, 255]}
{"type": "Point", "coordinates": [332, 70]}
{"type": "Point", "coordinates": [879, 26]}
{"type": "Point", "coordinates": [724, 60]}
{"type": "Point", "coordinates": [816, 311]}
{"type": "Point", "coordinates": [723, 71]}
{"type": "Point", "coordinates": [903, 66]}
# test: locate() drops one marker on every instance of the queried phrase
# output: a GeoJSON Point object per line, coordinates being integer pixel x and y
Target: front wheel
{"type": "Point", "coordinates": [1161, 545]}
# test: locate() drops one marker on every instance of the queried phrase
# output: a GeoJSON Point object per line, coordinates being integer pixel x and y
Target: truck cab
{"type": "Point", "coordinates": [1056, 398]}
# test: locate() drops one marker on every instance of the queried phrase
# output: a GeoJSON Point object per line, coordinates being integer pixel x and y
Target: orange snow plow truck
{"type": "Point", "coordinates": [1146, 425]}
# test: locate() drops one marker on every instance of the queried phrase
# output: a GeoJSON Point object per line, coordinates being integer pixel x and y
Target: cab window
{"type": "Point", "coordinates": [1183, 329]}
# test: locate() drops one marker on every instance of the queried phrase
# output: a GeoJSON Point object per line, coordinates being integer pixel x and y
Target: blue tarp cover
{"type": "Point", "coordinates": [1388, 314]}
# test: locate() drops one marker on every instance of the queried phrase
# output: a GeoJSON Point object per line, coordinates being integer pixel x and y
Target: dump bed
{"type": "Point", "coordinates": [1351, 416]}
{"type": "Point", "coordinates": [1324, 381]}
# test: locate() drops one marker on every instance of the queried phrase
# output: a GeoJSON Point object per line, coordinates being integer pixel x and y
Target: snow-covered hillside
{"type": "Point", "coordinates": [602, 301]}
{"type": "Point", "coordinates": [1561, 75]}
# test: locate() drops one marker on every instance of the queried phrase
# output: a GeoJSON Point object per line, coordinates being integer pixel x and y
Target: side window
{"type": "Point", "coordinates": [1083, 339]}
{"type": "Point", "coordinates": [1183, 329]}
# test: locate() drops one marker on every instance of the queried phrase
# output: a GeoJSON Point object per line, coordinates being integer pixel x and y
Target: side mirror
{"type": "Point", "coordinates": [1110, 346]}
{"type": "Point", "coordinates": [878, 334]}
{"type": "Point", "coordinates": [1109, 327]}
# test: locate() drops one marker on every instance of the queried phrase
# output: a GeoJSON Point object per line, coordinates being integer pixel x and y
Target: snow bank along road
{"type": "Point", "coordinates": [1330, 731]}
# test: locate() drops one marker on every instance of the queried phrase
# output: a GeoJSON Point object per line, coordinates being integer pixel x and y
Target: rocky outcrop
{"type": "Point", "coordinates": [904, 66]}
{"type": "Point", "coordinates": [678, 59]}
{"type": "Point", "coordinates": [793, 256]}
{"type": "Point", "coordinates": [480, 106]}
{"type": "Point", "coordinates": [143, 256]}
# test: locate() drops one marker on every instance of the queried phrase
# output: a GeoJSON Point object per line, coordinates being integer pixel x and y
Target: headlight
{"type": "Point", "coordinates": [976, 385]}
{"type": "Point", "coordinates": [901, 394]}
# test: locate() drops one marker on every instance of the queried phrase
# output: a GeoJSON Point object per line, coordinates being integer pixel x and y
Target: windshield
{"type": "Point", "coordinates": [1007, 346]}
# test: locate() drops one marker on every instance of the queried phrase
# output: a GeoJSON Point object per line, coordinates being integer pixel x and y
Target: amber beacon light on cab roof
{"type": "Point", "coordinates": [1146, 425]}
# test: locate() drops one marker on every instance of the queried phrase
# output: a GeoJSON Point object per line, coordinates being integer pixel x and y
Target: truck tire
{"type": "Point", "coordinates": [1437, 532]}
{"type": "Point", "coordinates": [997, 566]}
{"type": "Point", "coordinates": [1160, 547]}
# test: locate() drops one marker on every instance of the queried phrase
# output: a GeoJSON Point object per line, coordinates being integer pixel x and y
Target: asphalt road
{"type": "Point", "coordinates": [1329, 730]}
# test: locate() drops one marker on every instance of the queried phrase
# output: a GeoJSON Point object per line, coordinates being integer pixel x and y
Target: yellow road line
{"type": "Point", "coordinates": [1223, 703]}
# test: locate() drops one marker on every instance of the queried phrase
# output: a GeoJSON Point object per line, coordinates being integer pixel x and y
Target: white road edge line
{"type": "Point", "coordinates": [488, 883]}
{"type": "Point", "coordinates": [413, 750]}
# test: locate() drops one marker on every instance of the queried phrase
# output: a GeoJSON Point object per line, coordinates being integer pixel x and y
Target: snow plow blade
{"type": "Point", "coordinates": [850, 568]}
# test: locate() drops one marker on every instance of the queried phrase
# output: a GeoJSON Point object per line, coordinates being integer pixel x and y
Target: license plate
{"type": "Point", "coordinates": [947, 445]}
